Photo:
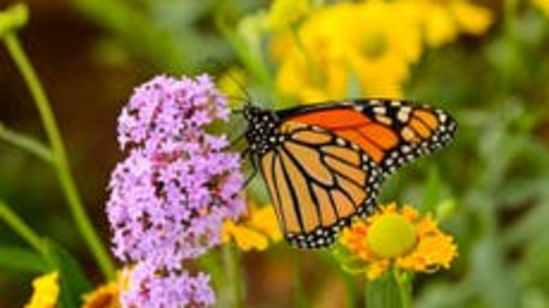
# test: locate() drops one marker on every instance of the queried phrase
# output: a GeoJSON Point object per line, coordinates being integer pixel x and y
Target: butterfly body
{"type": "Point", "coordinates": [262, 132]}
{"type": "Point", "coordinates": [323, 163]}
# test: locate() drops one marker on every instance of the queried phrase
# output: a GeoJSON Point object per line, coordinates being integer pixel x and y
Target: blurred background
{"type": "Point", "coordinates": [493, 76]}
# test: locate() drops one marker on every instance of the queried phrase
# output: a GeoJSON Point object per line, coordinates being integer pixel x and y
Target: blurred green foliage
{"type": "Point", "coordinates": [491, 184]}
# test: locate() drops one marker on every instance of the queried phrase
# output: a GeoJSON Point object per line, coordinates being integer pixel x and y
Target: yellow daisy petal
{"type": "Point", "coordinates": [400, 238]}
{"type": "Point", "coordinates": [439, 27]}
{"type": "Point", "coordinates": [334, 50]}
{"type": "Point", "coordinates": [264, 220]}
{"type": "Point", "coordinates": [46, 291]}
{"type": "Point", "coordinates": [106, 296]}
{"type": "Point", "coordinates": [542, 5]}
{"type": "Point", "coordinates": [254, 231]}
{"type": "Point", "coordinates": [376, 269]}
{"type": "Point", "coordinates": [471, 18]}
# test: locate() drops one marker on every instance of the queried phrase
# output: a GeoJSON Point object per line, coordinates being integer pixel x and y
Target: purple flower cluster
{"type": "Point", "coordinates": [170, 196]}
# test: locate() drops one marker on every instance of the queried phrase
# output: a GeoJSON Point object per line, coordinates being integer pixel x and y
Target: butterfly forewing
{"type": "Point", "coordinates": [391, 132]}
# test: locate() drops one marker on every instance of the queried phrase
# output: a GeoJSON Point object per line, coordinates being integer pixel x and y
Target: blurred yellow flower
{"type": "Point", "coordinates": [542, 5]}
{"type": "Point", "coordinates": [348, 43]}
{"type": "Point", "coordinates": [381, 49]}
{"type": "Point", "coordinates": [46, 291]}
{"type": "Point", "coordinates": [105, 296]}
{"type": "Point", "coordinates": [256, 230]}
{"type": "Point", "coordinates": [399, 238]}
{"type": "Point", "coordinates": [285, 13]}
{"type": "Point", "coordinates": [443, 21]}
{"type": "Point", "coordinates": [231, 85]}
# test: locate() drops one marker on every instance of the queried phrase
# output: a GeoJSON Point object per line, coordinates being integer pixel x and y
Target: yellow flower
{"type": "Point", "coordinates": [106, 296]}
{"type": "Point", "coordinates": [401, 239]}
{"type": "Point", "coordinates": [444, 20]}
{"type": "Point", "coordinates": [542, 5]}
{"type": "Point", "coordinates": [231, 83]}
{"type": "Point", "coordinates": [255, 230]}
{"type": "Point", "coordinates": [382, 50]}
{"type": "Point", "coordinates": [46, 291]}
{"type": "Point", "coordinates": [285, 13]}
{"type": "Point", "coordinates": [345, 44]}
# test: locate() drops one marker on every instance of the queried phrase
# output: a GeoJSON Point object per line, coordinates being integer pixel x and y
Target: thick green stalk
{"type": "Point", "coordinates": [59, 155]}
{"type": "Point", "coordinates": [19, 226]}
{"type": "Point", "coordinates": [26, 143]}
{"type": "Point", "coordinates": [404, 288]}
{"type": "Point", "coordinates": [234, 275]}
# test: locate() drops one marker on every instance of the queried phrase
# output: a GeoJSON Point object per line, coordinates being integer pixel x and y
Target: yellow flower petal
{"type": "Point", "coordinates": [377, 268]}
{"type": "Point", "coordinates": [230, 84]}
{"type": "Point", "coordinates": [334, 49]}
{"type": "Point", "coordinates": [46, 291]}
{"type": "Point", "coordinates": [471, 18]}
{"type": "Point", "coordinates": [542, 5]}
{"type": "Point", "coordinates": [427, 250]}
{"type": "Point", "coordinates": [106, 296]}
{"type": "Point", "coordinates": [254, 231]}
{"type": "Point", "coordinates": [264, 219]}
{"type": "Point", "coordinates": [439, 27]}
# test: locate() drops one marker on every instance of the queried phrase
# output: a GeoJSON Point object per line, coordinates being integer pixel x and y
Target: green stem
{"type": "Point", "coordinates": [232, 266]}
{"type": "Point", "coordinates": [19, 226]}
{"type": "Point", "coordinates": [351, 289]}
{"type": "Point", "coordinates": [510, 13]}
{"type": "Point", "coordinates": [60, 158]}
{"type": "Point", "coordinates": [300, 298]}
{"type": "Point", "coordinates": [404, 288]}
{"type": "Point", "coordinates": [26, 143]}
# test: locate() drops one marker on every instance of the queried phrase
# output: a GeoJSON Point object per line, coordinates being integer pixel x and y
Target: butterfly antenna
{"type": "Point", "coordinates": [249, 179]}
{"type": "Point", "coordinates": [248, 98]}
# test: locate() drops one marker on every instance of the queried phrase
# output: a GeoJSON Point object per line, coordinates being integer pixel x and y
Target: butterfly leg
{"type": "Point", "coordinates": [250, 178]}
{"type": "Point", "coordinates": [234, 142]}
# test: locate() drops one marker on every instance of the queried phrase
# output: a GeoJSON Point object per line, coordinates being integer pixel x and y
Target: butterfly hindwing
{"type": "Point", "coordinates": [318, 182]}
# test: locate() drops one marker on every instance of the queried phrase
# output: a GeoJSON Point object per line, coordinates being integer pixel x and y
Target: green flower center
{"type": "Point", "coordinates": [374, 45]}
{"type": "Point", "coordinates": [390, 236]}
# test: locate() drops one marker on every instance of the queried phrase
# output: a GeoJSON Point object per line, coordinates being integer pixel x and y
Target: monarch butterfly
{"type": "Point", "coordinates": [323, 164]}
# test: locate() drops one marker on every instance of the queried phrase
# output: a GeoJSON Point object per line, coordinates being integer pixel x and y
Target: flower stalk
{"type": "Point", "coordinates": [26, 143]}
{"type": "Point", "coordinates": [20, 227]}
{"type": "Point", "coordinates": [404, 283]}
{"type": "Point", "coordinates": [60, 160]}
{"type": "Point", "coordinates": [232, 266]}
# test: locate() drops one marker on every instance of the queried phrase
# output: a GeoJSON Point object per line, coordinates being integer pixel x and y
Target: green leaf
{"type": "Point", "coordinates": [73, 282]}
{"type": "Point", "coordinates": [251, 58]}
{"type": "Point", "coordinates": [22, 259]}
{"type": "Point", "coordinates": [383, 292]}
{"type": "Point", "coordinates": [496, 284]}
{"type": "Point", "coordinates": [532, 225]}
{"type": "Point", "coordinates": [432, 193]}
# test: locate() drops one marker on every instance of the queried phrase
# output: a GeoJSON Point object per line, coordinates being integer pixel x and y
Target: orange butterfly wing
{"type": "Point", "coordinates": [390, 132]}
{"type": "Point", "coordinates": [317, 184]}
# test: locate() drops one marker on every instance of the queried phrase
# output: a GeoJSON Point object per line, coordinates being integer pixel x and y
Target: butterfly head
{"type": "Point", "coordinates": [262, 131]}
